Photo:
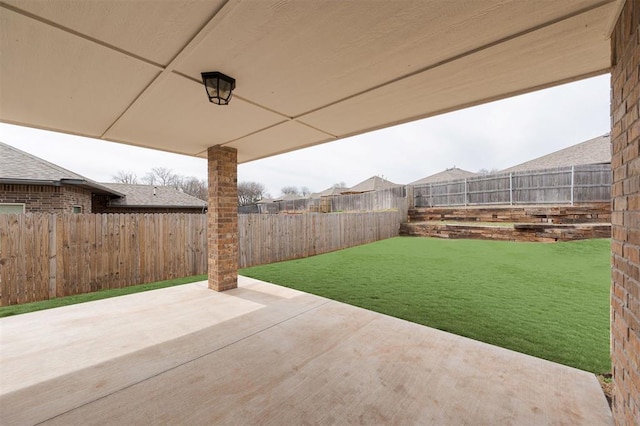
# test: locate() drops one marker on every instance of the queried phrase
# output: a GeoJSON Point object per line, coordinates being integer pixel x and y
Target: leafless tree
{"type": "Point", "coordinates": [304, 191]}
{"type": "Point", "coordinates": [485, 172]}
{"type": "Point", "coordinates": [249, 192]}
{"type": "Point", "coordinates": [339, 185]}
{"type": "Point", "coordinates": [124, 177]}
{"type": "Point", "coordinates": [161, 176]}
{"type": "Point", "coordinates": [194, 186]}
{"type": "Point", "coordinates": [290, 190]}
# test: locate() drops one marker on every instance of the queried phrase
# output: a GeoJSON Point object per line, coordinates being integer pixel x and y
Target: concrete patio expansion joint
{"type": "Point", "coordinates": [189, 361]}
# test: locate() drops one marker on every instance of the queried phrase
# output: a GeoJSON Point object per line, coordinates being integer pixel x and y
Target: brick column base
{"type": "Point", "coordinates": [222, 218]}
{"type": "Point", "coordinates": [625, 219]}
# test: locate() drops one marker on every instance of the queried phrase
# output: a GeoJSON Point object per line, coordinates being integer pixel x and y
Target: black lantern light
{"type": "Point", "coordinates": [219, 87]}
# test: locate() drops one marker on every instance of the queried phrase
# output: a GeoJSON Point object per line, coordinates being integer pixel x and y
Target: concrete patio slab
{"type": "Point", "coordinates": [264, 354]}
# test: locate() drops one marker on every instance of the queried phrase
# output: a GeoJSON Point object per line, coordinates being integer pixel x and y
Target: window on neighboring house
{"type": "Point", "coordinates": [9, 208]}
{"type": "Point", "coordinates": [77, 209]}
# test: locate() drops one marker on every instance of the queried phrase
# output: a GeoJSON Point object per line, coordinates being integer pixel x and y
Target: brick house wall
{"type": "Point", "coordinates": [625, 245]}
{"type": "Point", "coordinates": [46, 198]}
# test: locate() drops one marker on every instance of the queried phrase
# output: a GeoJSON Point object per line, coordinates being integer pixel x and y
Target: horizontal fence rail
{"type": "Point", "coordinates": [566, 185]}
{"type": "Point", "coordinates": [43, 256]}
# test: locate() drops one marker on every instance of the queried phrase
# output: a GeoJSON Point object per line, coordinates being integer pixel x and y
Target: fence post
{"type": "Point", "coordinates": [430, 196]}
{"type": "Point", "coordinates": [410, 196]}
{"type": "Point", "coordinates": [572, 182]}
{"type": "Point", "coordinates": [511, 189]}
{"type": "Point", "coordinates": [53, 261]}
{"type": "Point", "coordinates": [465, 192]}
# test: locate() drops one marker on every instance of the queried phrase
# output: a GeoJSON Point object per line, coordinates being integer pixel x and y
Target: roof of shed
{"type": "Point", "coordinates": [453, 173]}
{"type": "Point", "coordinates": [153, 196]}
{"type": "Point", "coordinates": [593, 151]}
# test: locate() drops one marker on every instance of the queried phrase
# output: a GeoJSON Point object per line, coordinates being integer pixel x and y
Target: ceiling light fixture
{"type": "Point", "coordinates": [219, 87]}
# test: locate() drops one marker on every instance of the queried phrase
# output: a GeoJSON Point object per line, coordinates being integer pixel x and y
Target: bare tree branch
{"type": "Point", "coordinates": [194, 186]}
{"type": "Point", "coordinates": [124, 177]}
{"type": "Point", "coordinates": [250, 192]}
{"type": "Point", "coordinates": [290, 190]}
{"type": "Point", "coordinates": [162, 176]}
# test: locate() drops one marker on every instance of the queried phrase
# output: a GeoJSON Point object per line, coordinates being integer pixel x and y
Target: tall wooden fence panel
{"type": "Point", "coordinates": [24, 258]}
{"type": "Point", "coordinates": [385, 199]}
{"type": "Point", "coordinates": [266, 238]}
{"type": "Point", "coordinates": [43, 256]}
{"type": "Point", "coordinates": [564, 185]}
{"type": "Point", "coordinates": [46, 255]}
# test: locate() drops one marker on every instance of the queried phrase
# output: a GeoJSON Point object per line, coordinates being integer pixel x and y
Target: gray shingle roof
{"type": "Point", "coordinates": [17, 166]}
{"type": "Point", "coordinates": [593, 151]}
{"type": "Point", "coordinates": [266, 201]}
{"type": "Point", "coordinates": [453, 173]}
{"type": "Point", "coordinates": [374, 183]}
{"type": "Point", "coordinates": [329, 192]}
{"type": "Point", "coordinates": [143, 196]}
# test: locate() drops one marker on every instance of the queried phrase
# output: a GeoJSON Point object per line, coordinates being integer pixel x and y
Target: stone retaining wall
{"type": "Point", "coordinates": [542, 232]}
{"type": "Point", "coordinates": [585, 213]}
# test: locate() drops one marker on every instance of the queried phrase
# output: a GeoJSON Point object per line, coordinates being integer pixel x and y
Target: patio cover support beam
{"type": "Point", "coordinates": [222, 218]}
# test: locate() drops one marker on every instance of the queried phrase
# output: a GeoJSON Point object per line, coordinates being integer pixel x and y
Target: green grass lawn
{"type": "Point", "coordinates": [6, 311]}
{"type": "Point", "coordinates": [547, 300]}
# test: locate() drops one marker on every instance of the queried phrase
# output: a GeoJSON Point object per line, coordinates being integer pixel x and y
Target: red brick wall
{"type": "Point", "coordinates": [625, 245]}
{"type": "Point", "coordinates": [222, 218]}
{"type": "Point", "coordinates": [46, 199]}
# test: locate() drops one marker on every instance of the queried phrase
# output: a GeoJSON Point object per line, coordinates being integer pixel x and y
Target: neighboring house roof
{"type": "Point", "coordinates": [453, 173]}
{"type": "Point", "coordinates": [265, 201]}
{"type": "Point", "coordinates": [19, 167]}
{"type": "Point", "coordinates": [329, 192]}
{"type": "Point", "coordinates": [593, 151]}
{"type": "Point", "coordinates": [152, 196]}
{"type": "Point", "coordinates": [290, 197]}
{"type": "Point", "coordinates": [374, 183]}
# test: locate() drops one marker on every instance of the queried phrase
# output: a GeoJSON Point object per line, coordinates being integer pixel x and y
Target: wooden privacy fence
{"type": "Point", "coordinates": [385, 199]}
{"type": "Point", "coordinates": [565, 185]}
{"type": "Point", "coordinates": [392, 198]}
{"type": "Point", "coordinates": [43, 256]}
{"type": "Point", "coordinates": [266, 238]}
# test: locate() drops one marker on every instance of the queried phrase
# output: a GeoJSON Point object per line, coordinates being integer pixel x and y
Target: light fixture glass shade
{"type": "Point", "coordinates": [219, 87]}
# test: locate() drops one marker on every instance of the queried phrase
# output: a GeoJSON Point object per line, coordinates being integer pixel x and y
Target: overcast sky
{"type": "Point", "coordinates": [491, 136]}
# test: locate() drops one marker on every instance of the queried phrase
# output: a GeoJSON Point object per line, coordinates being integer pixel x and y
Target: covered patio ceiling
{"type": "Point", "coordinates": [307, 72]}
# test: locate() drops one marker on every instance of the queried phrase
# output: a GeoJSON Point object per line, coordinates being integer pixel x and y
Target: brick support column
{"type": "Point", "coordinates": [625, 220]}
{"type": "Point", "coordinates": [222, 218]}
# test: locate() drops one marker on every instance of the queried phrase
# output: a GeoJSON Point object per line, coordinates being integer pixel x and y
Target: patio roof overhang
{"type": "Point", "coordinates": [307, 72]}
